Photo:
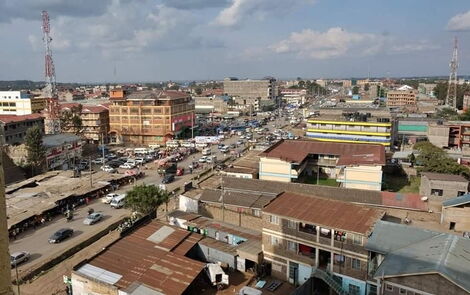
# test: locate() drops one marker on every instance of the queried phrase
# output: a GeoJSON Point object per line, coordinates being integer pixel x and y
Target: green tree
{"type": "Point", "coordinates": [465, 116]}
{"type": "Point", "coordinates": [447, 114]}
{"type": "Point", "coordinates": [36, 152]}
{"type": "Point", "coordinates": [198, 90]}
{"type": "Point", "coordinates": [355, 90]}
{"type": "Point", "coordinates": [440, 91]}
{"type": "Point", "coordinates": [71, 120]}
{"type": "Point", "coordinates": [366, 87]}
{"type": "Point", "coordinates": [146, 198]}
{"type": "Point", "coordinates": [433, 159]}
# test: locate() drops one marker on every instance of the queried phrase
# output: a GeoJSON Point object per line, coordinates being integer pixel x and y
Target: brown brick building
{"type": "Point", "coordinates": [149, 117]}
{"type": "Point", "coordinates": [402, 98]}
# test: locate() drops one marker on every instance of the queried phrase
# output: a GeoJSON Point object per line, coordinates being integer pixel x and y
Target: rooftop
{"type": "Point", "coordinates": [328, 213]}
{"type": "Point", "coordinates": [461, 200]}
{"type": "Point", "coordinates": [5, 119]}
{"type": "Point", "coordinates": [59, 139]}
{"type": "Point", "coordinates": [239, 199]}
{"type": "Point", "coordinates": [443, 177]}
{"type": "Point", "coordinates": [412, 251]}
{"type": "Point", "coordinates": [145, 264]}
{"type": "Point", "coordinates": [295, 151]}
{"type": "Point", "coordinates": [154, 95]}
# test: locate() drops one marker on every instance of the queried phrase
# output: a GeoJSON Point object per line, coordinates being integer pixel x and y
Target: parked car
{"type": "Point", "coordinates": [193, 165]}
{"type": "Point", "coordinates": [118, 202]}
{"type": "Point", "coordinates": [126, 166]}
{"type": "Point", "coordinates": [180, 172]}
{"type": "Point", "coordinates": [110, 156]}
{"type": "Point", "coordinates": [202, 159]}
{"type": "Point", "coordinates": [168, 179]}
{"type": "Point", "coordinates": [61, 235]}
{"type": "Point", "coordinates": [139, 160]}
{"type": "Point", "coordinates": [98, 161]}
{"type": "Point", "coordinates": [109, 197]}
{"type": "Point", "coordinates": [93, 218]}
{"type": "Point", "coordinates": [108, 168]}
{"type": "Point", "coordinates": [18, 258]}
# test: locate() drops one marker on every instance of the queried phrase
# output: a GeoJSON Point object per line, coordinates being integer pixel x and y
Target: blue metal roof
{"type": "Point", "coordinates": [457, 201]}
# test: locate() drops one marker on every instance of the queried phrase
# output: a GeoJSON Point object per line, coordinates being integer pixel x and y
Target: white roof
{"type": "Point", "coordinates": [405, 87]}
{"type": "Point", "coordinates": [99, 274]}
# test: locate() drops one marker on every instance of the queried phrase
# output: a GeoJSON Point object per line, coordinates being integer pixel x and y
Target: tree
{"type": "Point", "coordinates": [465, 116]}
{"type": "Point", "coordinates": [36, 152]}
{"type": "Point", "coordinates": [71, 120]}
{"type": "Point", "coordinates": [433, 159]}
{"type": "Point", "coordinates": [355, 90]}
{"type": "Point", "coordinates": [146, 198]}
{"type": "Point", "coordinates": [198, 90]}
{"type": "Point", "coordinates": [366, 87]}
{"type": "Point", "coordinates": [447, 114]}
{"type": "Point", "coordinates": [440, 91]}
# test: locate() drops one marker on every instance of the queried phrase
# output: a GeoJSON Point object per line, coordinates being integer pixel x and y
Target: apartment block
{"type": "Point", "coordinates": [95, 121]}
{"type": "Point", "coordinates": [352, 165]}
{"type": "Point", "coordinates": [294, 96]}
{"type": "Point", "coordinates": [305, 236]}
{"type": "Point", "coordinates": [15, 127]}
{"type": "Point", "coordinates": [20, 103]}
{"type": "Point", "coordinates": [352, 128]}
{"type": "Point", "coordinates": [149, 117]}
{"type": "Point", "coordinates": [403, 98]}
{"type": "Point", "coordinates": [256, 93]}
{"type": "Point", "coordinates": [450, 135]}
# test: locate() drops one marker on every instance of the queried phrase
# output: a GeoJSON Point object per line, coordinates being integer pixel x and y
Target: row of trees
{"type": "Point", "coordinates": [433, 159]}
{"type": "Point", "coordinates": [144, 199]}
{"type": "Point", "coordinates": [440, 91]}
{"type": "Point", "coordinates": [311, 87]}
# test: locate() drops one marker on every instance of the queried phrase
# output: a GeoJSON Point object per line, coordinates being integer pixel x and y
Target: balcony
{"type": "Point", "coordinates": [308, 228]}
{"type": "Point", "coordinates": [307, 251]}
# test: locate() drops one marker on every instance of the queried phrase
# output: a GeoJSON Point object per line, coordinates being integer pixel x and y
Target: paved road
{"type": "Point", "coordinates": [36, 241]}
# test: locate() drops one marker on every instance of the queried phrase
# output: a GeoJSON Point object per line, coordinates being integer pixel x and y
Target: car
{"type": "Point", "coordinates": [110, 156]}
{"type": "Point", "coordinates": [61, 235]}
{"type": "Point", "coordinates": [114, 164]}
{"type": "Point", "coordinates": [168, 179]}
{"type": "Point", "coordinates": [139, 160]}
{"type": "Point", "coordinates": [126, 166]}
{"type": "Point", "coordinates": [109, 197]}
{"type": "Point", "coordinates": [98, 161]}
{"type": "Point", "coordinates": [239, 142]}
{"type": "Point", "coordinates": [193, 165]}
{"type": "Point", "coordinates": [210, 159]}
{"type": "Point", "coordinates": [203, 159]}
{"type": "Point", "coordinates": [180, 172]}
{"type": "Point", "coordinates": [149, 158]}
{"type": "Point", "coordinates": [93, 218]}
{"type": "Point", "coordinates": [18, 258]}
{"type": "Point", "coordinates": [108, 168]}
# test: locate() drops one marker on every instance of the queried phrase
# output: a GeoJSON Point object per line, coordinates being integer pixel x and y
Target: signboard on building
{"type": "Point", "coordinates": [207, 139]}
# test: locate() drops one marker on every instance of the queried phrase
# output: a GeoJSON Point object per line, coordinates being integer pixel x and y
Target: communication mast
{"type": "Point", "coordinates": [51, 122]}
{"type": "Point", "coordinates": [451, 99]}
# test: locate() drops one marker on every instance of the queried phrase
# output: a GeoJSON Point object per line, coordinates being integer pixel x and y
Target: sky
{"type": "Point", "coordinates": [160, 40]}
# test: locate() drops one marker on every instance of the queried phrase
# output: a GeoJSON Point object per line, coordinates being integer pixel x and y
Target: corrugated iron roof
{"type": "Point", "coordinates": [139, 260]}
{"type": "Point", "coordinates": [296, 151]}
{"type": "Point", "coordinates": [238, 199]}
{"type": "Point", "coordinates": [328, 213]}
{"type": "Point", "coordinates": [457, 201]}
{"type": "Point", "coordinates": [444, 177]}
{"type": "Point", "coordinates": [5, 119]}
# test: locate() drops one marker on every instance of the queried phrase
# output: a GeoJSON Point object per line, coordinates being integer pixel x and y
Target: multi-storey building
{"type": "Point", "coordinates": [62, 150]}
{"type": "Point", "coordinates": [15, 127]}
{"type": "Point", "coordinates": [404, 97]}
{"type": "Point", "coordinates": [306, 236]}
{"type": "Point", "coordinates": [294, 96]}
{"type": "Point", "coordinates": [352, 128]}
{"type": "Point", "coordinates": [149, 117]}
{"type": "Point", "coordinates": [20, 103]}
{"type": "Point", "coordinates": [95, 121]}
{"type": "Point", "coordinates": [256, 93]}
{"type": "Point", "coordinates": [453, 135]}
{"type": "Point", "coordinates": [352, 165]}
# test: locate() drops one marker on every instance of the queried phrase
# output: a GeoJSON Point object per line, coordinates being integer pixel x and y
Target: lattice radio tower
{"type": "Point", "coordinates": [451, 99]}
{"type": "Point", "coordinates": [52, 111]}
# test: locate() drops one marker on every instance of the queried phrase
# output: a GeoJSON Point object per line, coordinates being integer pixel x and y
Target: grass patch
{"type": "Point", "coordinates": [401, 184]}
{"type": "Point", "coordinates": [321, 181]}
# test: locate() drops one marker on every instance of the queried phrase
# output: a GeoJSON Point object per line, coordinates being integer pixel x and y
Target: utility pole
{"type": "Point", "coordinates": [223, 200]}
{"type": "Point", "coordinates": [91, 174]}
{"type": "Point", "coordinates": [451, 99]}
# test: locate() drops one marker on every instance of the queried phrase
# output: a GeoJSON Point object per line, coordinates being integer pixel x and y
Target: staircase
{"type": "Point", "coordinates": [329, 280]}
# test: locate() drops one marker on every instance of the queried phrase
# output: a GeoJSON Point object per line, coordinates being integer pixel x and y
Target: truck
{"type": "Point", "coordinates": [167, 168]}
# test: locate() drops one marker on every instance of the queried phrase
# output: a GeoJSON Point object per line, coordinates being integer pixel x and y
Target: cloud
{"type": "Point", "coordinates": [241, 10]}
{"type": "Point", "coordinates": [460, 22]}
{"type": "Point", "coordinates": [335, 42]}
{"type": "Point", "coordinates": [195, 4]}
{"type": "Point", "coordinates": [31, 9]}
{"type": "Point", "coordinates": [413, 47]}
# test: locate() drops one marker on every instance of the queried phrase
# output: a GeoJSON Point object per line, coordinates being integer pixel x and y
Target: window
{"type": "Point", "coordinates": [402, 291]}
{"type": "Point", "coordinates": [355, 263]}
{"type": "Point", "coordinates": [436, 192]}
{"type": "Point", "coordinates": [357, 239]}
{"type": "Point", "coordinates": [256, 212]}
{"type": "Point", "coordinates": [274, 219]}
{"type": "Point", "coordinates": [460, 193]}
{"type": "Point", "coordinates": [291, 224]}
{"type": "Point", "coordinates": [389, 287]}
{"type": "Point", "coordinates": [275, 241]}
{"type": "Point", "coordinates": [292, 246]}
{"type": "Point", "coordinates": [354, 290]}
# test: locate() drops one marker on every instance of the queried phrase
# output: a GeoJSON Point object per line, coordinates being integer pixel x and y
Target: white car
{"type": "Point", "coordinates": [107, 168]}
{"type": "Point", "coordinates": [98, 161]}
{"type": "Point", "coordinates": [18, 257]}
{"type": "Point", "coordinates": [139, 160]}
{"type": "Point", "coordinates": [202, 159]}
{"type": "Point", "coordinates": [108, 198]}
{"type": "Point", "coordinates": [126, 166]}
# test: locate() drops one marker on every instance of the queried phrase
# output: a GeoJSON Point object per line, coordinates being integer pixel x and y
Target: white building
{"type": "Point", "coordinates": [20, 103]}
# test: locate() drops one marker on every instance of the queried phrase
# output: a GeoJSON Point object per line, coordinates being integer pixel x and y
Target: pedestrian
{"type": "Point", "coordinates": [13, 234]}
{"type": "Point", "coordinates": [87, 200]}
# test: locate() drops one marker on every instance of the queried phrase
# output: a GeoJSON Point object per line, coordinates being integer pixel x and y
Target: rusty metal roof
{"type": "Point", "coordinates": [444, 177]}
{"type": "Point", "coordinates": [322, 212]}
{"type": "Point", "coordinates": [296, 151]}
{"type": "Point", "coordinates": [139, 260]}
{"type": "Point", "coordinates": [238, 199]}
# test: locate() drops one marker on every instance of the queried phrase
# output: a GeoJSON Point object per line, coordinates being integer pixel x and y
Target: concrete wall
{"type": "Point", "coordinates": [214, 255]}
{"type": "Point", "coordinates": [362, 177]}
{"type": "Point", "coordinates": [232, 215]}
{"type": "Point", "coordinates": [85, 285]}
{"type": "Point", "coordinates": [430, 283]}
{"type": "Point", "coordinates": [438, 135]}
{"type": "Point", "coordinates": [461, 217]}
{"type": "Point", "coordinates": [450, 188]}
{"type": "Point", "coordinates": [275, 169]}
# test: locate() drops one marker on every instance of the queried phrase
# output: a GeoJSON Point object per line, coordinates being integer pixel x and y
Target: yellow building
{"type": "Point", "coordinates": [20, 103]}
{"type": "Point", "coordinates": [356, 166]}
{"type": "Point", "coordinates": [339, 129]}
